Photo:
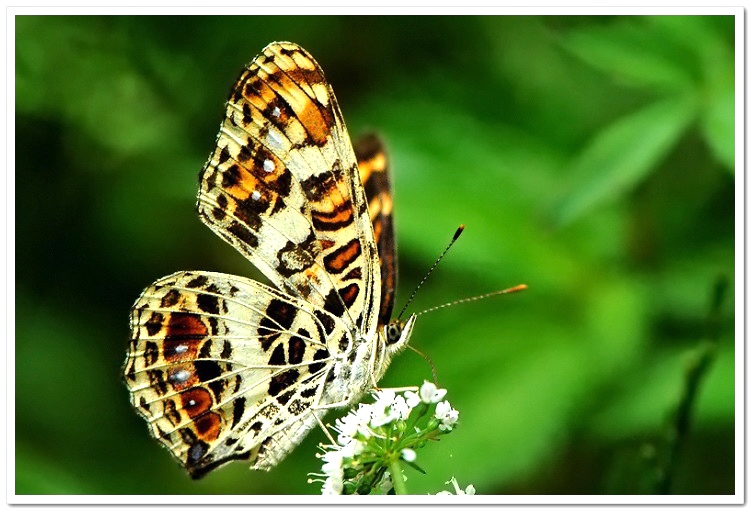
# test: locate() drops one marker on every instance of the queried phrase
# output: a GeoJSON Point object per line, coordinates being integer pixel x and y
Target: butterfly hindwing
{"type": "Point", "coordinates": [372, 161]}
{"type": "Point", "coordinates": [216, 359]}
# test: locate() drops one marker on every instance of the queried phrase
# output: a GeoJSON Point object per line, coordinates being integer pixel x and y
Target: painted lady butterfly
{"type": "Point", "coordinates": [224, 367]}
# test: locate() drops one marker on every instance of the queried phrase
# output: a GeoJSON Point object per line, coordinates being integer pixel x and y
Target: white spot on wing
{"type": "Point", "coordinates": [181, 376]}
{"type": "Point", "coordinates": [269, 165]}
{"type": "Point", "coordinates": [255, 195]}
{"type": "Point", "coordinates": [274, 140]}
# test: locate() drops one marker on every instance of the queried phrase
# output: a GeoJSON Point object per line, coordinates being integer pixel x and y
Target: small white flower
{"type": "Point", "coordinates": [332, 469]}
{"type": "Point", "coordinates": [382, 413]}
{"type": "Point", "coordinates": [400, 408]}
{"type": "Point", "coordinates": [446, 415]}
{"type": "Point", "coordinates": [412, 399]}
{"type": "Point", "coordinates": [352, 449]}
{"type": "Point", "coordinates": [332, 486]}
{"type": "Point", "coordinates": [470, 491]}
{"type": "Point", "coordinates": [332, 462]}
{"type": "Point", "coordinates": [384, 398]}
{"type": "Point", "coordinates": [383, 418]}
{"type": "Point", "coordinates": [355, 421]}
{"type": "Point", "coordinates": [408, 455]}
{"type": "Point", "coordinates": [430, 394]}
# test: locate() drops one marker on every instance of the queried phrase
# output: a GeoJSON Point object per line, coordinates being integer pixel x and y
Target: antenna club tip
{"type": "Point", "coordinates": [459, 230]}
{"type": "Point", "coordinates": [523, 286]}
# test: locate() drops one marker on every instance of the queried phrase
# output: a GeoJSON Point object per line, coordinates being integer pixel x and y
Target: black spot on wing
{"type": "Point", "coordinates": [207, 370]}
{"type": "Point", "coordinates": [238, 410]}
{"type": "Point", "coordinates": [324, 320]}
{"type": "Point", "coordinates": [282, 381]}
{"type": "Point", "coordinates": [277, 358]}
{"type": "Point", "coordinates": [309, 392]}
{"type": "Point", "coordinates": [205, 351]}
{"type": "Point", "coordinates": [334, 303]}
{"type": "Point", "coordinates": [150, 353]}
{"type": "Point", "coordinates": [208, 303]}
{"type": "Point", "coordinates": [319, 354]}
{"type": "Point", "coordinates": [297, 348]}
{"type": "Point", "coordinates": [226, 352]}
{"type": "Point", "coordinates": [156, 380]}
{"type": "Point", "coordinates": [198, 281]}
{"type": "Point", "coordinates": [243, 233]}
{"type": "Point", "coordinates": [230, 177]}
{"type": "Point", "coordinates": [154, 323]}
{"type": "Point", "coordinates": [284, 398]}
{"type": "Point", "coordinates": [279, 317]}
{"type": "Point", "coordinates": [223, 155]}
{"type": "Point", "coordinates": [171, 298]}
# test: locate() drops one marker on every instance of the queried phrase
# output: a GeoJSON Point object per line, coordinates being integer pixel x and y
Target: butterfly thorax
{"type": "Point", "coordinates": [359, 370]}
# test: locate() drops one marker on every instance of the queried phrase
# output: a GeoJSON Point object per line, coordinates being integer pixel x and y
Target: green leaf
{"type": "Point", "coordinates": [717, 125]}
{"type": "Point", "coordinates": [709, 39]}
{"type": "Point", "coordinates": [623, 154]}
{"type": "Point", "coordinates": [632, 55]}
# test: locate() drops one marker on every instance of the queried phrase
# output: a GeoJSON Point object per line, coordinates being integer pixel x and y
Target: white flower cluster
{"type": "Point", "coordinates": [470, 491]}
{"type": "Point", "coordinates": [355, 428]}
{"type": "Point", "coordinates": [447, 416]}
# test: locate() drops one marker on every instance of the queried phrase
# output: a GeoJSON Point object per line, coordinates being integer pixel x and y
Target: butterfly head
{"type": "Point", "coordinates": [397, 333]}
{"type": "Point", "coordinates": [393, 338]}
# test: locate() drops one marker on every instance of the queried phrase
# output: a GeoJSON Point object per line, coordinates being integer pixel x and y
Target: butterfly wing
{"type": "Point", "coordinates": [214, 363]}
{"type": "Point", "coordinates": [282, 186]}
{"type": "Point", "coordinates": [218, 365]}
{"type": "Point", "coordinates": [372, 161]}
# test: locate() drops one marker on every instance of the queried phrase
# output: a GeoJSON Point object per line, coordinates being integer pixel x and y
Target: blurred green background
{"type": "Point", "coordinates": [591, 158]}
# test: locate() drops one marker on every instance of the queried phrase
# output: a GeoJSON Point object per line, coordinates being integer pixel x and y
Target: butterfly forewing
{"type": "Point", "coordinates": [280, 185]}
{"type": "Point", "coordinates": [223, 367]}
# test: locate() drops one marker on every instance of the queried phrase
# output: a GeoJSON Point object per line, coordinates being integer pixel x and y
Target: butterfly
{"type": "Point", "coordinates": [224, 367]}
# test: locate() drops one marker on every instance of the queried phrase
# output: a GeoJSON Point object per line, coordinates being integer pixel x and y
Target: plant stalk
{"type": "Point", "coordinates": [397, 477]}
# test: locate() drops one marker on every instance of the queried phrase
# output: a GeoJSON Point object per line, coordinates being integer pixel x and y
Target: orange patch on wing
{"type": "Point", "coordinates": [368, 166]}
{"type": "Point", "coordinates": [349, 294]}
{"type": "Point", "coordinates": [377, 227]}
{"type": "Point", "coordinates": [341, 258]}
{"type": "Point", "coordinates": [182, 377]}
{"type": "Point", "coordinates": [176, 350]}
{"type": "Point", "coordinates": [386, 203]}
{"type": "Point", "coordinates": [184, 326]}
{"type": "Point", "coordinates": [208, 426]}
{"type": "Point", "coordinates": [257, 92]}
{"type": "Point", "coordinates": [314, 122]}
{"type": "Point", "coordinates": [341, 215]}
{"type": "Point", "coordinates": [195, 401]}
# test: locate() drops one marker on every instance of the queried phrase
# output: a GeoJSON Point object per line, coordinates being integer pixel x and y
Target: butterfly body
{"type": "Point", "coordinates": [224, 367]}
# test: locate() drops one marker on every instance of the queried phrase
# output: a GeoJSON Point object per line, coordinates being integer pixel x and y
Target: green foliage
{"type": "Point", "coordinates": [591, 158]}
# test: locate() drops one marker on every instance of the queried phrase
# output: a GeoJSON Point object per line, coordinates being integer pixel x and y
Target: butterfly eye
{"type": "Point", "coordinates": [393, 331]}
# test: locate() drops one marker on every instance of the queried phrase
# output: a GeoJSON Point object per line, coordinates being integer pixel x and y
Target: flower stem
{"type": "Point", "coordinates": [397, 477]}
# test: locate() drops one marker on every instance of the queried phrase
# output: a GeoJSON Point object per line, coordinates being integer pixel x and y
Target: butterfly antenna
{"type": "Point", "coordinates": [408, 302]}
{"type": "Point", "coordinates": [475, 298]}
{"type": "Point", "coordinates": [428, 360]}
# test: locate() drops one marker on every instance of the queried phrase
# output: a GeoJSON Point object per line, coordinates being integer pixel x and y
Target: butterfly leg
{"type": "Point", "coordinates": [323, 426]}
{"type": "Point", "coordinates": [399, 389]}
